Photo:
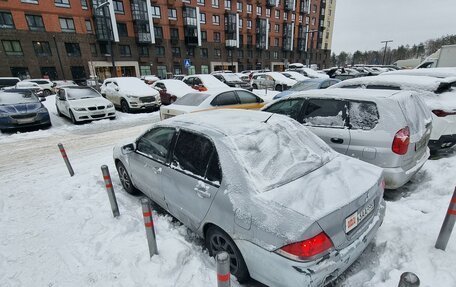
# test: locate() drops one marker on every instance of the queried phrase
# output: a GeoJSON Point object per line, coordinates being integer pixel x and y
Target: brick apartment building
{"type": "Point", "coordinates": [72, 39]}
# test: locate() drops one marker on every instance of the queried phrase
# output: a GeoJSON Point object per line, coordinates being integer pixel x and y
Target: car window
{"type": "Point", "coordinates": [61, 94]}
{"type": "Point", "coordinates": [325, 113]}
{"type": "Point", "coordinates": [248, 98]}
{"type": "Point", "coordinates": [197, 81]}
{"type": "Point", "coordinates": [192, 99]}
{"type": "Point", "coordinates": [324, 85]}
{"type": "Point", "coordinates": [192, 153]}
{"type": "Point", "coordinates": [290, 108]}
{"type": "Point", "coordinates": [155, 143]}
{"type": "Point", "coordinates": [225, 99]}
{"type": "Point", "coordinates": [363, 115]}
{"type": "Point", "coordinates": [214, 172]}
{"type": "Point", "coordinates": [188, 81]}
{"type": "Point", "coordinates": [160, 85]}
{"type": "Point", "coordinates": [383, 87]}
{"type": "Point", "coordinates": [351, 86]}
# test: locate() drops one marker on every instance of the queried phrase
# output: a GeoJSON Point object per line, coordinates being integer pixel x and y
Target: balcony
{"type": "Point", "coordinates": [143, 37]}
{"type": "Point", "coordinates": [230, 22]}
{"type": "Point", "coordinates": [288, 5]}
{"type": "Point", "coordinates": [139, 11]}
{"type": "Point", "coordinates": [270, 3]}
{"type": "Point", "coordinates": [188, 21]}
{"type": "Point", "coordinates": [231, 43]}
{"type": "Point", "coordinates": [191, 36]}
{"type": "Point", "coordinates": [304, 7]}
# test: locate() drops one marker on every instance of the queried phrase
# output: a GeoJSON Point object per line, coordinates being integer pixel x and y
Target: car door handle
{"type": "Point", "coordinates": [337, 140]}
{"type": "Point", "coordinates": [203, 193]}
{"type": "Point", "coordinates": [157, 170]}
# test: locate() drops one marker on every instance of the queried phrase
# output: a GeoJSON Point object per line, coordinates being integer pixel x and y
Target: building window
{"type": "Point", "coordinates": [216, 19]}
{"type": "Point", "coordinates": [239, 6]}
{"type": "Point", "coordinates": [276, 42]}
{"type": "Point", "coordinates": [12, 48]}
{"type": "Point", "coordinates": [241, 40]}
{"type": "Point", "coordinates": [143, 50]}
{"type": "Point", "coordinates": [20, 72]}
{"type": "Point", "coordinates": [42, 49]}
{"type": "Point", "coordinates": [159, 50]}
{"type": "Point", "coordinates": [293, 17]}
{"type": "Point", "coordinates": [204, 69]}
{"type": "Point", "coordinates": [118, 7]}
{"type": "Point", "coordinates": [161, 72]}
{"type": "Point", "coordinates": [249, 8]}
{"type": "Point", "coordinates": [88, 26]}
{"type": "Point", "coordinates": [300, 18]}
{"type": "Point", "coordinates": [125, 50]}
{"type": "Point", "coordinates": [217, 37]}
{"type": "Point", "coordinates": [77, 72]}
{"type": "Point", "coordinates": [6, 20]}
{"type": "Point", "coordinates": [62, 3]}
{"type": "Point", "coordinates": [30, 1]}
{"type": "Point", "coordinates": [215, 3]}
{"type": "Point", "coordinates": [122, 29]}
{"type": "Point", "coordinates": [191, 51]}
{"type": "Point", "coordinates": [275, 54]}
{"type": "Point", "coordinates": [314, 21]}
{"type": "Point", "coordinates": [35, 22]}
{"type": "Point", "coordinates": [49, 72]}
{"type": "Point", "coordinates": [144, 70]}
{"type": "Point", "coordinates": [240, 23]}
{"type": "Point", "coordinates": [156, 13]}
{"type": "Point", "coordinates": [93, 50]}
{"type": "Point", "coordinates": [249, 24]}
{"type": "Point", "coordinates": [176, 51]}
{"type": "Point", "coordinates": [314, 8]}
{"type": "Point", "coordinates": [158, 32]}
{"type": "Point", "coordinates": [268, 12]}
{"type": "Point", "coordinates": [276, 28]}
{"type": "Point", "coordinates": [285, 16]}
{"type": "Point", "coordinates": [259, 10]}
{"type": "Point", "coordinates": [228, 4]}
{"type": "Point", "coordinates": [84, 4]}
{"type": "Point", "coordinates": [250, 53]}
{"type": "Point", "coordinates": [67, 25]}
{"type": "Point", "coordinates": [204, 53]}
{"type": "Point", "coordinates": [277, 14]}
{"type": "Point", "coordinates": [174, 33]}
{"type": "Point", "coordinates": [203, 18]}
{"type": "Point", "coordinates": [72, 49]}
{"type": "Point", "coordinates": [200, 2]}
{"type": "Point", "coordinates": [240, 54]}
{"type": "Point", "coordinates": [172, 13]}
{"type": "Point", "coordinates": [217, 53]}
{"type": "Point", "coordinates": [204, 35]}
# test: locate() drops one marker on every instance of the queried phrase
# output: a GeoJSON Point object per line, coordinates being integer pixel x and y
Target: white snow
{"type": "Point", "coordinates": [135, 86]}
{"type": "Point", "coordinates": [209, 81]}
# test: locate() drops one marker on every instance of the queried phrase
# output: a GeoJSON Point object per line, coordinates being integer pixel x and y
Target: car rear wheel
{"type": "Point", "coordinates": [46, 93]}
{"type": "Point", "coordinates": [255, 86]}
{"type": "Point", "coordinates": [217, 241]}
{"type": "Point", "coordinates": [279, 88]}
{"type": "Point", "coordinates": [125, 179]}
{"type": "Point", "coordinates": [124, 107]}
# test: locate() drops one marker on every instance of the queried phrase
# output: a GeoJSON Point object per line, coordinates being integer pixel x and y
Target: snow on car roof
{"type": "Point", "coordinates": [359, 94]}
{"type": "Point", "coordinates": [431, 72]}
{"type": "Point", "coordinates": [210, 81]}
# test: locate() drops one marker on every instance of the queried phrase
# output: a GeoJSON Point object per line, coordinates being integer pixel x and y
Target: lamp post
{"type": "Point", "coordinates": [384, 52]}
{"type": "Point", "coordinates": [311, 45]}
{"type": "Point", "coordinates": [58, 56]}
{"type": "Point", "coordinates": [109, 32]}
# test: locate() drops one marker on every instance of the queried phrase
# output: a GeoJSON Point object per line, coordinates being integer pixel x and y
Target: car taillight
{"type": "Point", "coordinates": [382, 184]}
{"type": "Point", "coordinates": [307, 249]}
{"type": "Point", "coordinates": [442, 113]}
{"type": "Point", "coordinates": [401, 141]}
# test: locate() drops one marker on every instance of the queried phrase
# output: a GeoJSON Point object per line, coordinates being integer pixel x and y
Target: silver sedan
{"type": "Point", "coordinates": [288, 209]}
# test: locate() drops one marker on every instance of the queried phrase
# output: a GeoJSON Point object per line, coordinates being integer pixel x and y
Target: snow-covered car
{"type": "Point", "coordinates": [221, 72]}
{"type": "Point", "coordinates": [271, 80]}
{"type": "Point", "coordinates": [389, 129]}
{"type": "Point", "coordinates": [204, 82]}
{"type": "Point", "coordinates": [22, 85]}
{"type": "Point", "coordinates": [295, 76]}
{"type": "Point", "coordinates": [233, 80]}
{"type": "Point", "coordinates": [171, 90]}
{"type": "Point", "coordinates": [47, 85]}
{"type": "Point", "coordinates": [130, 94]}
{"type": "Point", "coordinates": [179, 77]}
{"type": "Point", "coordinates": [288, 209]}
{"type": "Point", "coordinates": [150, 79]}
{"type": "Point", "coordinates": [225, 98]}
{"type": "Point", "coordinates": [309, 84]}
{"type": "Point", "coordinates": [22, 109]}
{"type": "Point", "coordinates": [63, 83]}
{"type": "Point", "coordinates": [81, 104]}
{"type": "Point", "coordinates": [430, 72]}
{"type": "Point", "coordinates": [439, 95]}
{"type": "Point", "coordinates": [308, 72]}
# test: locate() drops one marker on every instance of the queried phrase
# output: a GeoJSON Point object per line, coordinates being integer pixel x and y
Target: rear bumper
{"type": "Point", "coordinates": [396, 177]}
{"type": "Point", "coordinates": [275, 270]}
{"type": "Point", "coordinates": [145, 106]}
{"type": "Point", "coordinates": [445, 141]}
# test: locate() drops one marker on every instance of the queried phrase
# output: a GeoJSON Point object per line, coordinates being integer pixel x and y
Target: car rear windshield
{"type": "Point", "coordinates": [17, 98]}
{"type": "Point", "coordinates": [194, 99]}
{"type": "Point", "coordinates": [8, 82]}
{"type": "Point", "coordinates": [416, 115]}
{"type": "Point", "coordinates": [305, 85]}
{"type": "Point", "coordinates": [81, 93]}
{"type": "Point", "coordinates": [363, 115]}
{"type": "Point", "coordinates": [232, 78]}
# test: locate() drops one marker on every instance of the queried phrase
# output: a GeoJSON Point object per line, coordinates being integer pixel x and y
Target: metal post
{"type": "Point", "coordinates": [223, 269]}
{"type": "Point", "coordinates": [65, 158]}
{"type": "Point", "coordinates": [110, 190]}
{"type": "Point", "coordinates": [149, 224]}
{"type": "Point", "coordinates": [448, 224]}
{"type": "Point", "coordinates": [58, 56]}
{"type": "Point", "coordinates": [110, 33]}
{"type": "Point", "coordinates": [409, 279]}
{"type": "Point", "coordinates": [384, 52]}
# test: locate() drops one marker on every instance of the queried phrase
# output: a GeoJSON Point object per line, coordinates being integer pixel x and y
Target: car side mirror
{"type": "Point", "coordinates": [62, 98]}
{"type": "Point", "coordinates": [116, 89]}
{"type": "Point", "coordinates": [129, 148]}
{"type": "Point", "coordinates": [42, 99]}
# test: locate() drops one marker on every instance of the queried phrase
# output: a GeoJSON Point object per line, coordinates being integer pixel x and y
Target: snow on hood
{"type": "Point", "coordinates": [96, 101]}
{"type": "Point", "coordinates": [20, 108]}
{"type": "Point", "coordinates": [135, 87]}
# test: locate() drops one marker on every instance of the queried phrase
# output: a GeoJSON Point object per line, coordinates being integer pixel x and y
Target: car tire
{"type": "Point", "coordinates": [73, 119]}
{"type": "Point", "coordinates": [124, 107]}
{"type": "Point", "coordinates": [47, 93]}
{"type": "Point", "coordinates": [216, 241]}
{"type": "Point", "coordinates": [103, 95]}
{"type": "Point", "coordinates": [255, 87]}
{"type": "Point", "coordinates": [125, 179]}
{"type": "Point", "coordinates": [58, 111]}
{"type": "Point", "coordinates": [279, 88]}
{"type": "Point", "coordinates": [112, 118]}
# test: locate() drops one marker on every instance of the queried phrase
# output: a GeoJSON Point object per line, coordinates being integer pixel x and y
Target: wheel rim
{"type": "Point", "coordinates": [124, 178]}
{"type": "Point", "coordinates": [217, 244]}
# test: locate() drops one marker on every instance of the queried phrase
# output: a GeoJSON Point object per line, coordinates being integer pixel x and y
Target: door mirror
{"type": "Point", "coordinates": [42, 99]}
{"type": "Point", "coordinates": [116, 89]}
{"type": "Point", "coordinates": [129, 148]}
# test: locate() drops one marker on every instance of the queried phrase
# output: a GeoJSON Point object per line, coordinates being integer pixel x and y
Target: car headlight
{"type": "Point", "coordinates": [110, 106]}
{"type": "Point", "coordinates": [132, 97]}
{"type": "Point", "coordinates": [42, 110]}
{"type": "Point", "coordinates": [79, 109]}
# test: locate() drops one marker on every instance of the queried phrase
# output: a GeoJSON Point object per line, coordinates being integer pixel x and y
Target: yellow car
{"type": "Point", "coordinates": [224, 98]}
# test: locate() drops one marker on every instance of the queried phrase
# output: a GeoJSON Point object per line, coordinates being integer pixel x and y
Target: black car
{"type": "Point", "coordinates": [22, 109]}
{"type": "Point", "coordinates": [233, 81]}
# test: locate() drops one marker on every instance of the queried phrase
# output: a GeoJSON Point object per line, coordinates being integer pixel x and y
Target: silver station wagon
{"type": "Point", "coordinates": [288, 209]}
{"type": "Point", "coordinates": [389, 129]}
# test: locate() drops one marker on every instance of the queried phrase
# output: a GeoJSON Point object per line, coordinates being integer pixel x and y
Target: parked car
{"type": "Point", "coordinates": [130, 94]}
{"type": "Point", "coordinates": [150, 79]}
{"type": "Point", "coordinates": [204, 82]}
{"type": "Point", "coordinates": [8, 81]}
{"type": "Point", "coordinates": [171, 90]}
{"type": "Point", "coordinates": [438, 95]}
{"type": "Point", "coordinates": [83, 104]}
{"type": "Point", "coordinates": [295, 76]}
{"type": "Point", "coordinates": [233, 80]}
{"type": "Point", "coordinates": [22, 109]}
{"type": "Point", "coordinates": [310, 84]}
{"type": "Point", "coordinates": [62, 83]}
{"type": "Point", "coordinates": [227, 98]}
{"type": "Point", "coordinates": [221, 72]}
{"type": "Point", "coordinates": [308, 72]}
{"type": "Point", "coordinates": [430, 72]}
{"type": "Point", "coordinates": [47, 85]}
{"type": "Point", "coordinates": [236, 179]}
{"type": "Point", "coordinates": [22, 85]}
{"type": "Point", "coordinates": [272, 80]}
{"type": "Point", "coordinates": [179, 77]}
{"type": "Point", "coordinates": [389, 129]}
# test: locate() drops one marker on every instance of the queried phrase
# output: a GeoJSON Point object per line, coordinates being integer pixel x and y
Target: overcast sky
{"type": "Point", "coordinates": [362, 24]}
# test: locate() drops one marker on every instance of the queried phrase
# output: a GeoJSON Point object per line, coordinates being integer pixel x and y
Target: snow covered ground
{"type": "Point", "coordinates": [57, 230]}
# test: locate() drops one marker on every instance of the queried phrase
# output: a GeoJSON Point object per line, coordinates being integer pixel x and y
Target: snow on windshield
{"type": "Point", "coordinates": [81, 93]}
{"type": "Point", "coordinates": [17, 98]}
{"type": "Point", "coordinates": [193, 99]}
{"type": "Point", "coordinates": [232, 78]}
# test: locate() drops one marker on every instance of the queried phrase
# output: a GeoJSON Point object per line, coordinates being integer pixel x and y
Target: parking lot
{"type": "Point", "coordinates": [57, 230]}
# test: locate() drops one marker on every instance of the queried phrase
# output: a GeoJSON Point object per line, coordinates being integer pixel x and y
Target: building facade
{"type": "Point", "coordinates": [75, 39]}
{"type": "Point", "coordinates": [328, 23]}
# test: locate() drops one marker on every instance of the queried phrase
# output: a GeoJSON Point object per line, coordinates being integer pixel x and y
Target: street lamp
{"type": "Point", "coordinates": [311, 45]}
{"type": "Point", "coordinates": [384, 52]}
{"type": "Point", "coordinates": [109, 32]}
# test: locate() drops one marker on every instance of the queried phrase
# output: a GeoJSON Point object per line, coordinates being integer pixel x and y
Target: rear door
{"type": "Point", "coordinates": [226, 100]}
{"type": "Point", "coordinates": [327, 118]}
{"type": "Point", "coordinates": [248, 100]}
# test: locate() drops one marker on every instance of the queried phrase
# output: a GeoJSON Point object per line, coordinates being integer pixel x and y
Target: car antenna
{"type": "Point", "coordinates": [266, 121]}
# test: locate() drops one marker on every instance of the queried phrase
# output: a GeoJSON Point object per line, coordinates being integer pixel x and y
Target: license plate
{"type": "Point", "coordinates": [25, 121]}
{"type": "Point", "coordinates": [356, 218]}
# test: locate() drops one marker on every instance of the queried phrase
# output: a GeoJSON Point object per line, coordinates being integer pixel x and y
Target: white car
{"type": "Point", "coordinates": [430, 72]}
{"type": "Point", "coordinates": [308, 72]}
{"type": "Point", "coordinates": [62, 83]}
{"type": "Point", "coordinates": [34, 87]}
{"type": "Point", "coordinates": [233, 98]}
{"type": "Point", "coordinates": [47, 85]}
{"type": "Point", "coordinates": [203, 82]}
{"type": "Point", "coordinates": [274, 80]}
{"type": "Point", "coordinates": [83, 104]}
{"type": "Point", "coordinates": [295, 76]}
{"type": "Point", "coordinates": [171, 90]}
{"type": "Point", "coordinates": [438, 94]}
{"type": "Point", "coordinates": [130, 93]}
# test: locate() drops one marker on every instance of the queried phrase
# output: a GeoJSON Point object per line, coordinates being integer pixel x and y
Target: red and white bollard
{"type": "Point", "coordinates": [223, 269]}
{"type": "Point", "coordinates": [110, 190]}
{"type": "Point", "coordinates": [448, 224]}
{"type": "Point", "coordinates": [149, 224]}
{"type": "Point", "coordinates": [65, 158]}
